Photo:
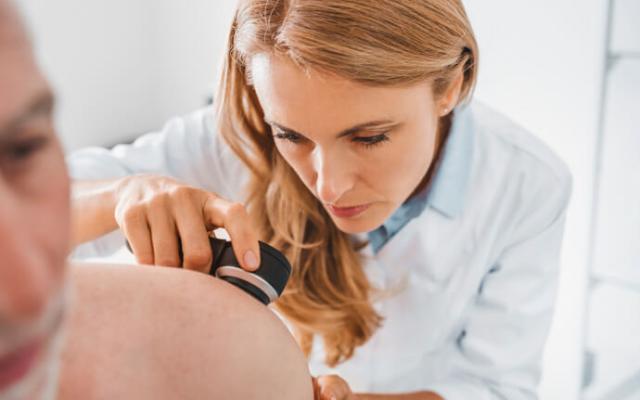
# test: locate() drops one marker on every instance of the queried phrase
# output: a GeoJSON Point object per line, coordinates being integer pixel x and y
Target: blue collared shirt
{"type": "Point", "coordinates": [447, 193]}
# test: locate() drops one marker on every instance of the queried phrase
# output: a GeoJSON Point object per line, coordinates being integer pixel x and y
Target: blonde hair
{"type": "Point", "coordinates": [373, 42]}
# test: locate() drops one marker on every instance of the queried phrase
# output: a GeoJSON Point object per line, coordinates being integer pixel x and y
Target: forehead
{"type": "Point", "coordinates": [309, 98]}
{"type": "Point", "coordinates": [20, 79]}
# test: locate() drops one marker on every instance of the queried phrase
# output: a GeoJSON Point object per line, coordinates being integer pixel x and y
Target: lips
{"type": "Point", "coordinates": [15, 366]}
{"type": "Point", "coordinates": [348, 212]}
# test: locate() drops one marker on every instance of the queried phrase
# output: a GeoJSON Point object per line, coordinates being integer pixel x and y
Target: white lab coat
{"type": "Point", "coordinates": [470, 282]}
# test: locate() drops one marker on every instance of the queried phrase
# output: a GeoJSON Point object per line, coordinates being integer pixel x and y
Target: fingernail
{"type": "Point", "coordinates": [250, 260]}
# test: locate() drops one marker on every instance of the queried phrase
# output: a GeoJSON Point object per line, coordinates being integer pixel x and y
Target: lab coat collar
{"type": "Point", "coordinates": [447, 193]}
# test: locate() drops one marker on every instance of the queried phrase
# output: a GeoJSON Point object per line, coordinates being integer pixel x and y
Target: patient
{"type": "Point", "coordinates": [107, 332]}
{"type": "Point", "coordinates": [161, 333]}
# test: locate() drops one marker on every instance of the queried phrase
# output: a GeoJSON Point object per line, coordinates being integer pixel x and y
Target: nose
{"type": "Point", "coordinates": [25, 279]}
{"type": "Point", "coordinates": [333, 175]}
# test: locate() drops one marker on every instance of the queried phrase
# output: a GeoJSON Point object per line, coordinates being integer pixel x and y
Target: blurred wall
{"type": "Point", "coordinates": [122, 67]}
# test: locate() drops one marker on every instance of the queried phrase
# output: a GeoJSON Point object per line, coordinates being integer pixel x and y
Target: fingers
{"type": "Point", "coordinates": [136, 230]}
{"type": "Point", "coordinates": [196, 248]}
{"type": "Point", "coordinates": [163, 235]}
{"type": "Point", "coordinates": [157, 214]}
{"type": "Point", "coordinates": [234, 219]}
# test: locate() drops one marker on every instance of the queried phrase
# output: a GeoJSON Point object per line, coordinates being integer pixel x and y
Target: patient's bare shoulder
{"type": "Point", "coordinates": [160, 333]}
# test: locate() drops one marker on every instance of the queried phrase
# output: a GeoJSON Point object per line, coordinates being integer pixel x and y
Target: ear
{"type": "Point", "coordinates": [451, 96]}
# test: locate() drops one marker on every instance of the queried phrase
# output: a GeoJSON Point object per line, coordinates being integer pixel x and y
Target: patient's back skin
{"type": "Point", "coordinates": [138, 332]}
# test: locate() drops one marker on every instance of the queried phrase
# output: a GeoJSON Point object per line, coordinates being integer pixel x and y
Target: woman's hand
{"type": "Point", "coordinates": [158, 215]}
{"type": "Point", "coordinates": [331, 387]}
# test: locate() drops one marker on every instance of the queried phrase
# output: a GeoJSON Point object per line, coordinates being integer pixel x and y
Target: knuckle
{"type": "Point", "coordinates": [159, 200]}
{"type": "Point", "coordinates": [236, 211]}
{"type": "Point", "coordinates": [181, 193]}
{"type": "Point", "coordinates": [133, 214]}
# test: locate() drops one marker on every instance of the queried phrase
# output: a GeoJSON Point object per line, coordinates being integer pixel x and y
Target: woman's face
{"type": "Point", "coordinates": [360, 150]}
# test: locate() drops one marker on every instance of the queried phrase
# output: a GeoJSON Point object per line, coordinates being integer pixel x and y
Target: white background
{"type": "Point", "coordinates": [122, 67]}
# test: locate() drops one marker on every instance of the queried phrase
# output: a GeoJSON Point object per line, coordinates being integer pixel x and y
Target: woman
{"type": "Point", "coordinates": [424, 229]}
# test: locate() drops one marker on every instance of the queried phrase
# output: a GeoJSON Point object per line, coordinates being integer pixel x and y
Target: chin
{"type": "Point", "coordinates": [361, 224]}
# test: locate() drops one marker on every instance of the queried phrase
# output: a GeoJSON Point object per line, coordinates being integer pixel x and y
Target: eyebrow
{"type": "Point", "coordinates": [350, 131]}
{"type": "Point", "coordinates": [41, 105]}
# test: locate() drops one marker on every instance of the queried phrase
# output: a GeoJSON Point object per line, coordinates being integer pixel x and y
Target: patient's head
{"type": "Point", "coordinates": [34, 219]}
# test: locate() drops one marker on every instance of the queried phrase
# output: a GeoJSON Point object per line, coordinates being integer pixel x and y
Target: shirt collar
{"type": "Point", "coordinates": [448, 191]}
{"type": "Point", "coordinates": [446, 194]}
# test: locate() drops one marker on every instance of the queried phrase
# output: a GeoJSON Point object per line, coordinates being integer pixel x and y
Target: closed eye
{"type": "Point", "coordinates": [370, 141]}
{"type": "Point", "coordinates": [366, 141]}
{"type": "Point", "coordinates": [289, 136]}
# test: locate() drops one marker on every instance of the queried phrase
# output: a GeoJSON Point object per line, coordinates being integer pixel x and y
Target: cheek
{"type": "Point", "coordinates": [299, 160]}
{"type": "Point", "coordinates": [397, 170]}
{"type": "Point", "coordinates": [417, 159]}
{"type": "Point", "coordinates": [50, 213]}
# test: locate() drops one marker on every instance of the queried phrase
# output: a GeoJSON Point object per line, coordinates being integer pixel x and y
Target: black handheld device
{"type": "Point", "coordinates": [265, 284]}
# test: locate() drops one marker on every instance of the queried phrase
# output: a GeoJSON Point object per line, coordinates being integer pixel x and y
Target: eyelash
{"type": "Point", "coordinates": [367, 142]}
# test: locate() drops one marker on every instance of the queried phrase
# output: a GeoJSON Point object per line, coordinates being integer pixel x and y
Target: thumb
{"type": "Point", "coordinates": [234, 219]}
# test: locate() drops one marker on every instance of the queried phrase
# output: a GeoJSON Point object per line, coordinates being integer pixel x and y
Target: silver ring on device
{"type": "Point", "coordinates": [255, 280]}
